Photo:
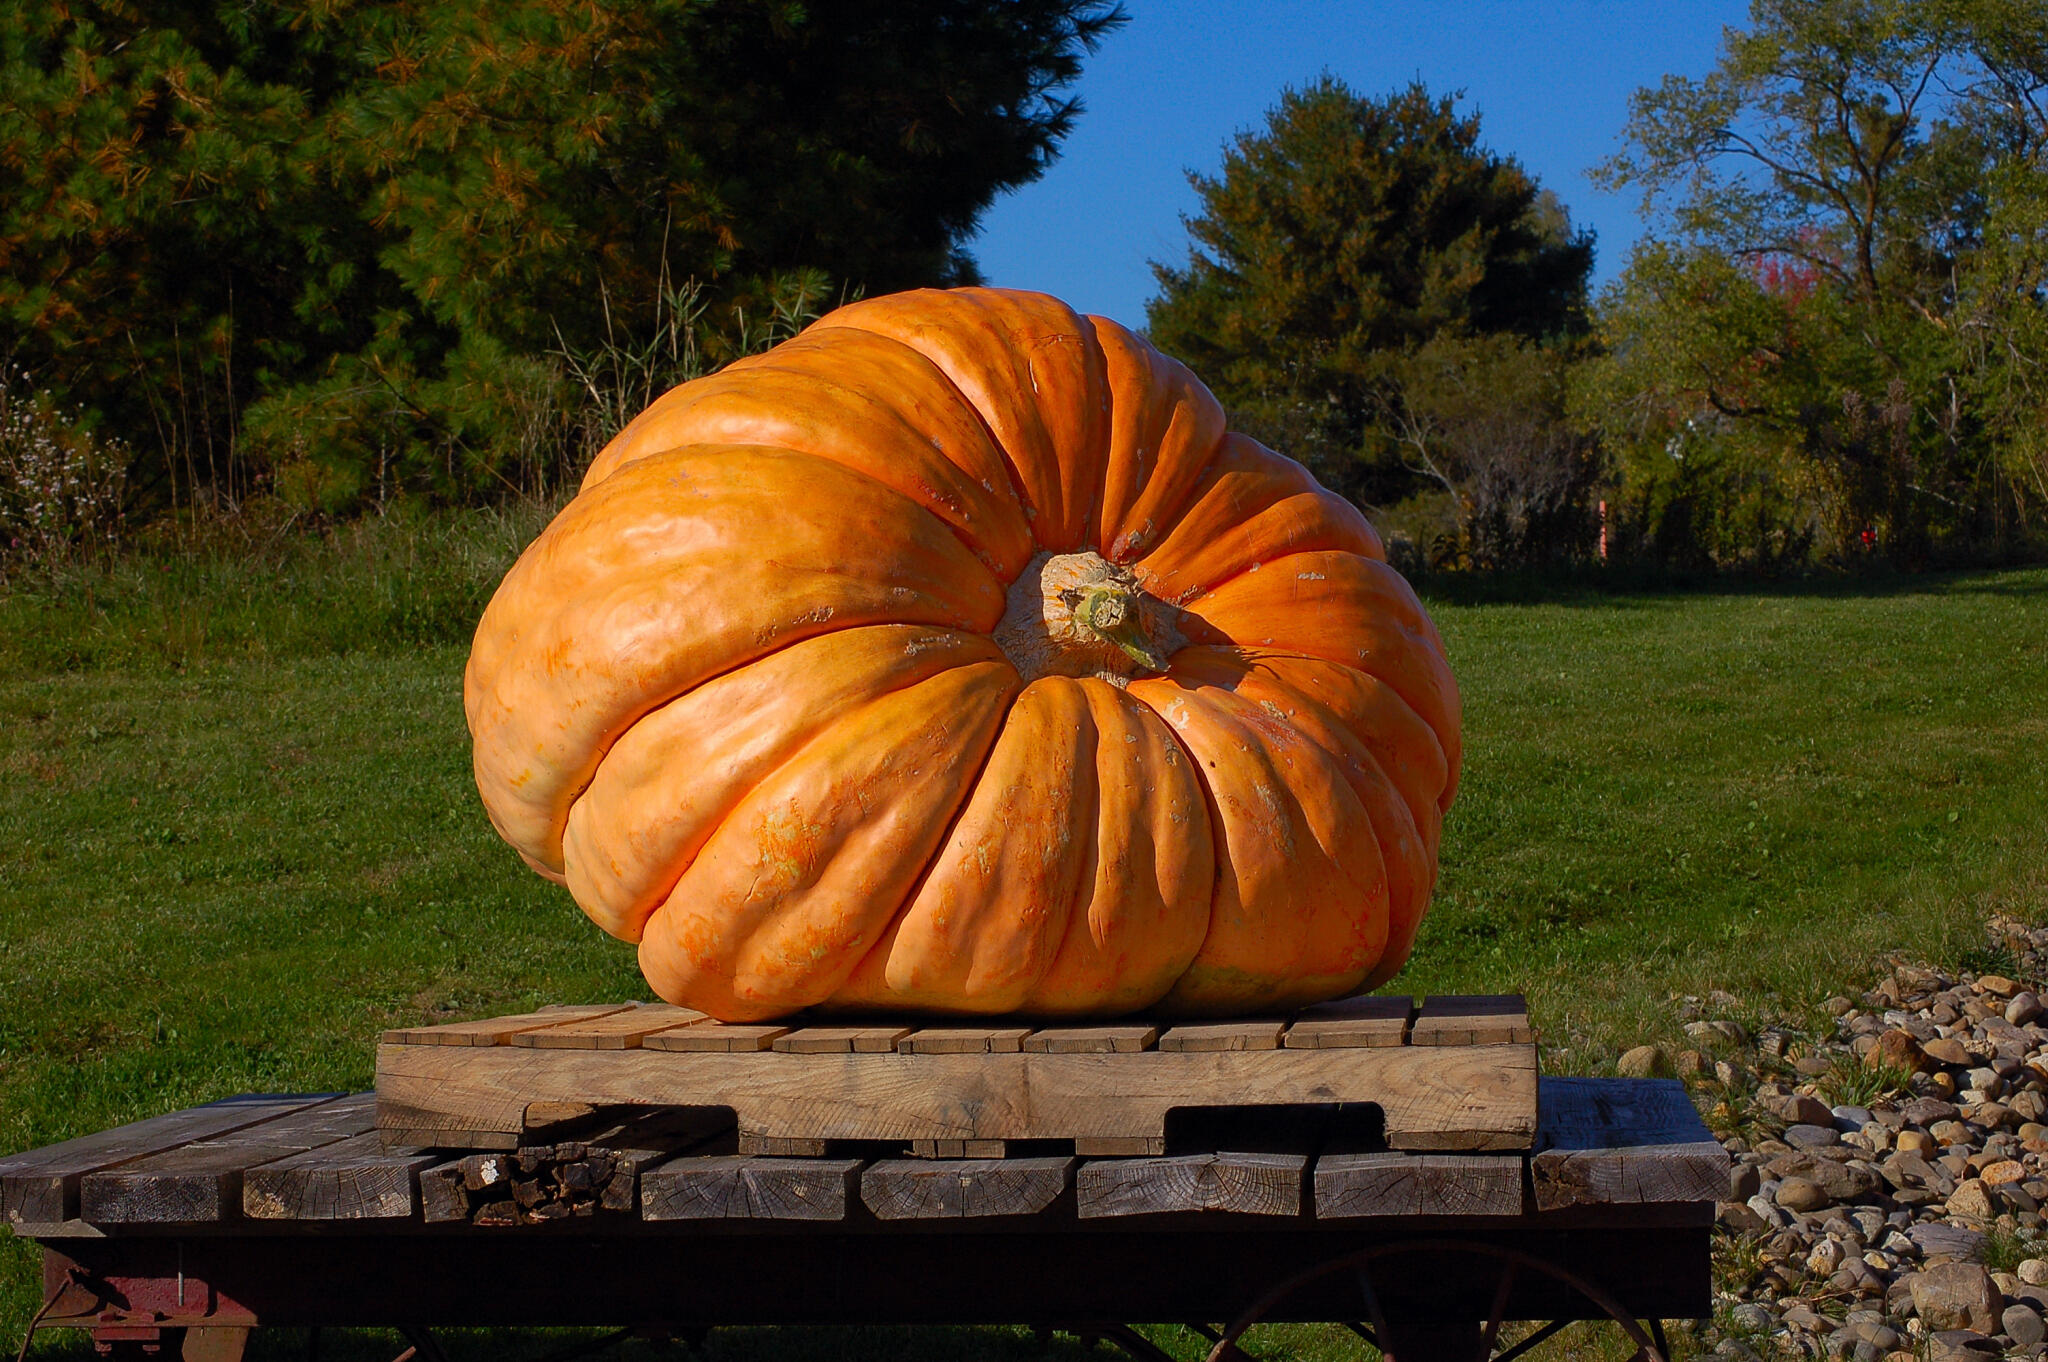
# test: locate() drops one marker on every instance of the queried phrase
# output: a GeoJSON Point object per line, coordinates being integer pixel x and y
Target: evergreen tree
{"type": "Point", "coordinates": [390, 208]}
{"type": "Point", "coordinates": [1338, 240]}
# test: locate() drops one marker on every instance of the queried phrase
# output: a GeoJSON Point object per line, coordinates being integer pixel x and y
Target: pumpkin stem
{"type": "Point", "coordinates": [1076, 614]}
{"type": "Point", "coordinates": [1112, 614]}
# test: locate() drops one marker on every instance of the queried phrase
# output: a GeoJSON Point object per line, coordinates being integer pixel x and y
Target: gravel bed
{"type": "Point", "coordinates": [1887, 1194]}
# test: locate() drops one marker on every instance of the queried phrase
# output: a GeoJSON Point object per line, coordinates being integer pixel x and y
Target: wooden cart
{"type": "Point", "coordinates": [186, 1231]}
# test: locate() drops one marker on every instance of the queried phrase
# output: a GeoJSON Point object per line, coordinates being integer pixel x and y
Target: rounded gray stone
{"type": "Point", "coordinates": [2022, 1324]}
{"type": "Point", "coordinates": [1751, 1318]}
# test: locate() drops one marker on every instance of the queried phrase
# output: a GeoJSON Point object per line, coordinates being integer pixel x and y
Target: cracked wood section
{"type": "Point", "coordinates": [963, 1189]}
{"type": "Point", "coordinates": [352, 1179]}
{"type": "Point", "coordinates": [1239, 1184]}
{"type": "Point", "coordinates": [1366, 1185]}
{"type": "Point", "coordinates": [40, 1186]}
{"type": "Point", "coordinates": [202, 1181]}
{"type": "Point", "coordinates": [1606, 1141]}
{"type": "Point", "coordinates": [1439, 1098]}
{"type": "Point", "coordinates": [741, 1187]}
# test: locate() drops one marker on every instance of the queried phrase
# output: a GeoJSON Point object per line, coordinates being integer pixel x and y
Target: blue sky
{"type": "Point", "coordinates": [1550, 80]}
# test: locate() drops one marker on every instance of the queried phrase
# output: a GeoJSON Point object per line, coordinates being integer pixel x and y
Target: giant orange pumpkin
{"type": "Point", "coordinates": [951, 657]}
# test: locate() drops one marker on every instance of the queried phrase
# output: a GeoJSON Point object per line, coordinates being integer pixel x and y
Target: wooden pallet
{"type": "Point", "coordinates": [1611, 1143]}
{"type": "Point", "coordinates": [1457, 1073]}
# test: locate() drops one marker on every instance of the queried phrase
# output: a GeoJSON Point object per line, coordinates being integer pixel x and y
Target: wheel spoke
{"type": "Point", "coordinates": [1657, 1333]}
{"type": "Point", "coordinates": [1372, 1307]}
{"type": "Point", "coordinates": [1134, 1343]}
{"type": "Point", "coordinates": [1533, 1340]}
{"type": "Point", "coordinates": [1498, 1312]}
{"type": "Point", "coordinates": [1368, 1335]}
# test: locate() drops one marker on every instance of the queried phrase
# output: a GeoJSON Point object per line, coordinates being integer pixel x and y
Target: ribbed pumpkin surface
{"type": "Point", "coordinates": [952, 657]}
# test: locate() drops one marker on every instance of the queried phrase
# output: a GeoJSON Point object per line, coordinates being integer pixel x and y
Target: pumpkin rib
{"type": "Point", "coordinates": [815, 862]}
{"type": "Point", "coordinates": [1406, 834]}
{"type": "Point", "coordinates": [1294, 916]}
{"type": "Point", "coordinates": [872, 404]}
{"type": "Point", "coordinates": [1370, 720]}
{"type": "Point", "coordinates": [1177, 428]}
{"type": "Point", "coordinates": [858, 991]}
{"type": "Point", "coordinates": [1251, 507]}
{"type": "Point", "coordinates": [989, 911]}
{"type": "Point", "coordinates": [1361, 614]}
{"type": "Point", "coordinates": [667, 783]}
{"type": "Point", "coordinates": [1013, 475]}
{"type": "Point", "coordinates": [638, 603]}
{"type": "Point", "coordinates": [1163, 910]}
{"type": "Point", "coordinates": [1054, 438]}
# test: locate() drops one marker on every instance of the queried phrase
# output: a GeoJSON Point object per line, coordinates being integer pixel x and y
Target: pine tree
{"type": "Point", "coordinates": [1346, 234]}
{"type": "Point", "coordinates": [392, 207]}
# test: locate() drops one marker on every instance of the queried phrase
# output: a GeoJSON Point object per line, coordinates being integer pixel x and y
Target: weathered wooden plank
{"type": "Point", "coordinates": [1083, 1040]}
{"type": "Point", "coordinates": [714, 1038]}
{"type": "Point", "coordinates": [1230, 1035]}
{"type": "Point", "coordinates": [834, 1040]}
{"type": "Point", "coordinates": [1393, 1184]}
{"type": "Point", "coordinates": [40, 1186]}
{"type": "Point", "coordinates": [738, 1187]}
{"type": "Point", "coordinates": [1351, 1023]}
{"type": "Point", "coordinates": [612, 1031]}
{"type": "Point", "coordinates": [1607, 1141]}
{"type": "Point", "coordinates": [1450, 1097]}
{"type": "Point", "coordinates": [644, 1147]}
{"type": "Point", "coordinates": [964, 1040]}
{"type": "Point", "coordinates": [963, 1189]}
{"type": "Point", "coordinates": [443, 1137]}
{"type": "Point", "coordinates": [498, 1030]}
{"type": "Point", "coordinates": [1472, 1019]}
{"type": "Point", "coordinates": [1238, 1184]}
{"type": "Point", "coordinates": [445, 1186]}
{"type": "Point", "coordinates": [353, 1179]}
{"type": "Point", "coordinates": [202, 1181]}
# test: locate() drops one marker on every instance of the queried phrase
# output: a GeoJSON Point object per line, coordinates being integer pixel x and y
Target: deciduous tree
{"type": "Point", "coordinates": [1844, 284]}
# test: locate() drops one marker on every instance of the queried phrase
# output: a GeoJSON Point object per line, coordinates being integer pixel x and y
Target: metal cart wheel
{"type": "Point", "coordinates": [1402, 1339]}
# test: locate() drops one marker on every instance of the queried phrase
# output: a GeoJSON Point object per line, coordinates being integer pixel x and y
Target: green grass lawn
{"type": "Point", "coordinates": [238, 835]}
